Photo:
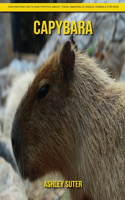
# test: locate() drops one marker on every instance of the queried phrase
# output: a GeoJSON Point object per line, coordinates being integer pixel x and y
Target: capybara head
{"type": "Point", "coordinates": [51, 121]}
{"type": "Point", "coordinates": [40, 129]}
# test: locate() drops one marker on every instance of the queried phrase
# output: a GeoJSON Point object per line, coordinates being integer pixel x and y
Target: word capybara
{"type": "Point", "coordinates": [72, 120]}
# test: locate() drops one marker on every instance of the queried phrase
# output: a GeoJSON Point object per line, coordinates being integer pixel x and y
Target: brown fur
{"type": "Point", "coordinates": [78, 129]}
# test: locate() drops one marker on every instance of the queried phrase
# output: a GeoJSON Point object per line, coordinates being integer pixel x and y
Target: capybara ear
{"type": "Point", "coordinates": [73, 42]}
{"type": "Point", "coordinates": [67, 61]}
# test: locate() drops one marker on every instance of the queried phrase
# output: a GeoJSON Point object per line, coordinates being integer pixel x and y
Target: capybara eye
{"type": "Point", "coordinates": [43, 91]}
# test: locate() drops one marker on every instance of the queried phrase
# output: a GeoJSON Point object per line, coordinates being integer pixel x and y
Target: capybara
{"type": "Point", "coordinates": [72, 120]}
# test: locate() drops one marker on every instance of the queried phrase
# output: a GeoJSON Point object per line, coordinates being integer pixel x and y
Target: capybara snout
{"type": "Point", "coordinates": [15, 135]}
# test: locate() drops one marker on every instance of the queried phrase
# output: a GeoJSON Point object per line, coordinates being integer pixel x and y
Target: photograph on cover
{"type": "Point", "coordinates": [62, 102]}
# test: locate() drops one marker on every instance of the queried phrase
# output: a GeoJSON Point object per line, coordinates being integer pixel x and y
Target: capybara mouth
{"type": "Point", "coordinates": [25, 176]}
{"type": "Point", "coordinates": [26, 171]}
{"type": "Point", "coordinates": [32, 176]}
{"type": "Point", "coordinates": [22, 167]}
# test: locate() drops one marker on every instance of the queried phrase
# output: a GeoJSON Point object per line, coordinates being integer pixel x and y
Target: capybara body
{"type": "Point", "coordinates": [72, 120]}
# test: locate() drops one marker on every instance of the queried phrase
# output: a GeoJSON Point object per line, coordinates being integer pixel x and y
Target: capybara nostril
{"type": "Point", "coordinates": [13, 143]}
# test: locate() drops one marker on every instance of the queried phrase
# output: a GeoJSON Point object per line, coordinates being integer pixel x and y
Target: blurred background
{"type": "Point", "coordinates": [22, 53]}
